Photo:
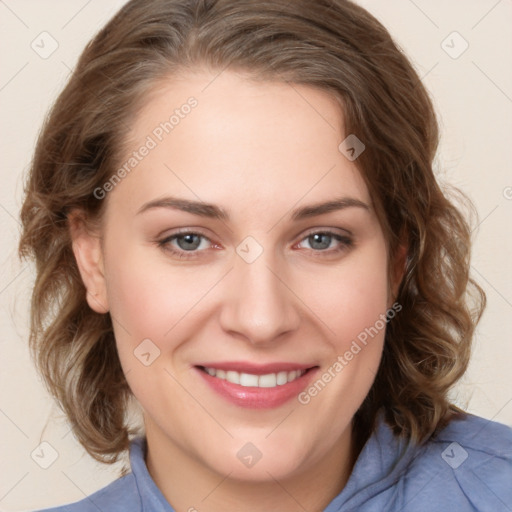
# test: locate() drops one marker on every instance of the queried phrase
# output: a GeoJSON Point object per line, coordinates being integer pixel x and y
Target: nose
{"type": "Point", "coordinates": [259, 305]}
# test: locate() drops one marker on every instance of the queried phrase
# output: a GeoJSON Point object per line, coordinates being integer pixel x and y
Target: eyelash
{"type": "Point", "coordinates": [345, 243]}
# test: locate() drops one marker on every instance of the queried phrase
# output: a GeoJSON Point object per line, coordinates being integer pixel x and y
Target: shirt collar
{"type": "Point", "coordinates": [384, 457]}
{"type": "Point", "coordinates": [152, 499]}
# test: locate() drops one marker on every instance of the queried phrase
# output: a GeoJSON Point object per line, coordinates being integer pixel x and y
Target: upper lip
{"type": "Point", "coordinates": [255, 369]}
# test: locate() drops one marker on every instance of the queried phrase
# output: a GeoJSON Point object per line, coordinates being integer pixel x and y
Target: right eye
{"type": "Point", "coordinates": [185, 243]}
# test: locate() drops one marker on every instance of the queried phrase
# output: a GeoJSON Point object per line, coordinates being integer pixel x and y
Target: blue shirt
{"type": "Point", "coordinates": [467, 467]}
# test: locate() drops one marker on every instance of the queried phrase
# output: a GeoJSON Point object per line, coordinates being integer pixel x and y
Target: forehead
{"type": "Point", "coordinates": [233, 141]}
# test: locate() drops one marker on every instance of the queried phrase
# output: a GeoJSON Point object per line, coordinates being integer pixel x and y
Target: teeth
{"type": "Point", "coordinates": [233, 377]}
{"type": "Point", "coordinates": [267, 381]}
{"type": "Point", "coordinates": [246, 379]}
{"type": "Point", "coordinates": [270, 380]}
{"type": "Point", "coordinates": [282, 378]}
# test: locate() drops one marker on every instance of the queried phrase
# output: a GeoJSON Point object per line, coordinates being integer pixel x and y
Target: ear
{"type": "Point", "coordinates": [89, 257]}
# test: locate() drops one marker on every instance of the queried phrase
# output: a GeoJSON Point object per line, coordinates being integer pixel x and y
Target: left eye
{"type": "Point", "coordinates": [320, 241]}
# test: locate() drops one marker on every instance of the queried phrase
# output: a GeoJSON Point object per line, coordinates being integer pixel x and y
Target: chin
{"type": "Point", "coordinates": [257, 461]}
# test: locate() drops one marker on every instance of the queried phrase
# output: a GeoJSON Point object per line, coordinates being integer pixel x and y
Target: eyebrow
{"type": "Point", "coordinates": [215, 212]}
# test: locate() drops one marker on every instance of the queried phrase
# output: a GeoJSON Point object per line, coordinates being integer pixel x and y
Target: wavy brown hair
{"type": "Point", "coordinates": [333, 45]}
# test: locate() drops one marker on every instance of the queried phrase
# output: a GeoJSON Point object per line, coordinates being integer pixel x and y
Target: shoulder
{"type": "Point", "coordinates": [133, 492]}
{"type": "Point", "coordinates": [119, 496]}
{"type": "Point", "coordinates": [465, 466]}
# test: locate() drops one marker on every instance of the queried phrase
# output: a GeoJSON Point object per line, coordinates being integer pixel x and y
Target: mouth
{"type": "Point", "coordinates": [256, 386]}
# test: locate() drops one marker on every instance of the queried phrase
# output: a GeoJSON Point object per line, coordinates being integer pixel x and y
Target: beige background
{"type": "Point", "coordinates": [473, 95]}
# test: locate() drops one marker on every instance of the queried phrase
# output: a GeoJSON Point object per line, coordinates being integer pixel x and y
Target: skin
{"type": "Point", "coordinates": [259, 151]}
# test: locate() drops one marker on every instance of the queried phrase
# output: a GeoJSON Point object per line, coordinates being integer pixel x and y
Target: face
{"type": "Point", "coordinates": [239, 302]}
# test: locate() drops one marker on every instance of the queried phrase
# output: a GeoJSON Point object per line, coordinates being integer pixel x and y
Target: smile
{"type": "Point", "coordinates": [270, 380]}
{"type": "Point", "coordinates": [254, 386]}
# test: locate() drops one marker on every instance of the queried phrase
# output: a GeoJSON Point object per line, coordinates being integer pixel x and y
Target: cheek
{"type": "Point", "coordinates": [364, 300]}
{"type": "Point", "coordinates": [353, 309]}
{"type": "Point", "coordinates": [354, 312]}
{"type": "Point", "coordinates": [137, 304]}
{"type": "Point", "coordinates": [350, 297]}
{"type": "Point", "coordinates": [149, 309]}
{"type": "Point", "coordinates": [149, 297]}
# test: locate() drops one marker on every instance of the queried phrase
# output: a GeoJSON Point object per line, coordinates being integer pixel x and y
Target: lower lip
{"type": "Point", "coordinates": [255, 397]}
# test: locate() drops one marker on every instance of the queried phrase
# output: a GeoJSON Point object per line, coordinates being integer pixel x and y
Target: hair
{"type": "Point", "coordinates": [332, 45]}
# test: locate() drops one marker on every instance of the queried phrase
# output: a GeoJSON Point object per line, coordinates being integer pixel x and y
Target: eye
{"type": "Point", "coordinates": [326, 241]}
{"type": "Point", "coordinates": [185, 242]}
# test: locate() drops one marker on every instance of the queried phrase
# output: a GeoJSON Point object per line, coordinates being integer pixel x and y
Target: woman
{"type": "Point", "coordinates": [235, 222]}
